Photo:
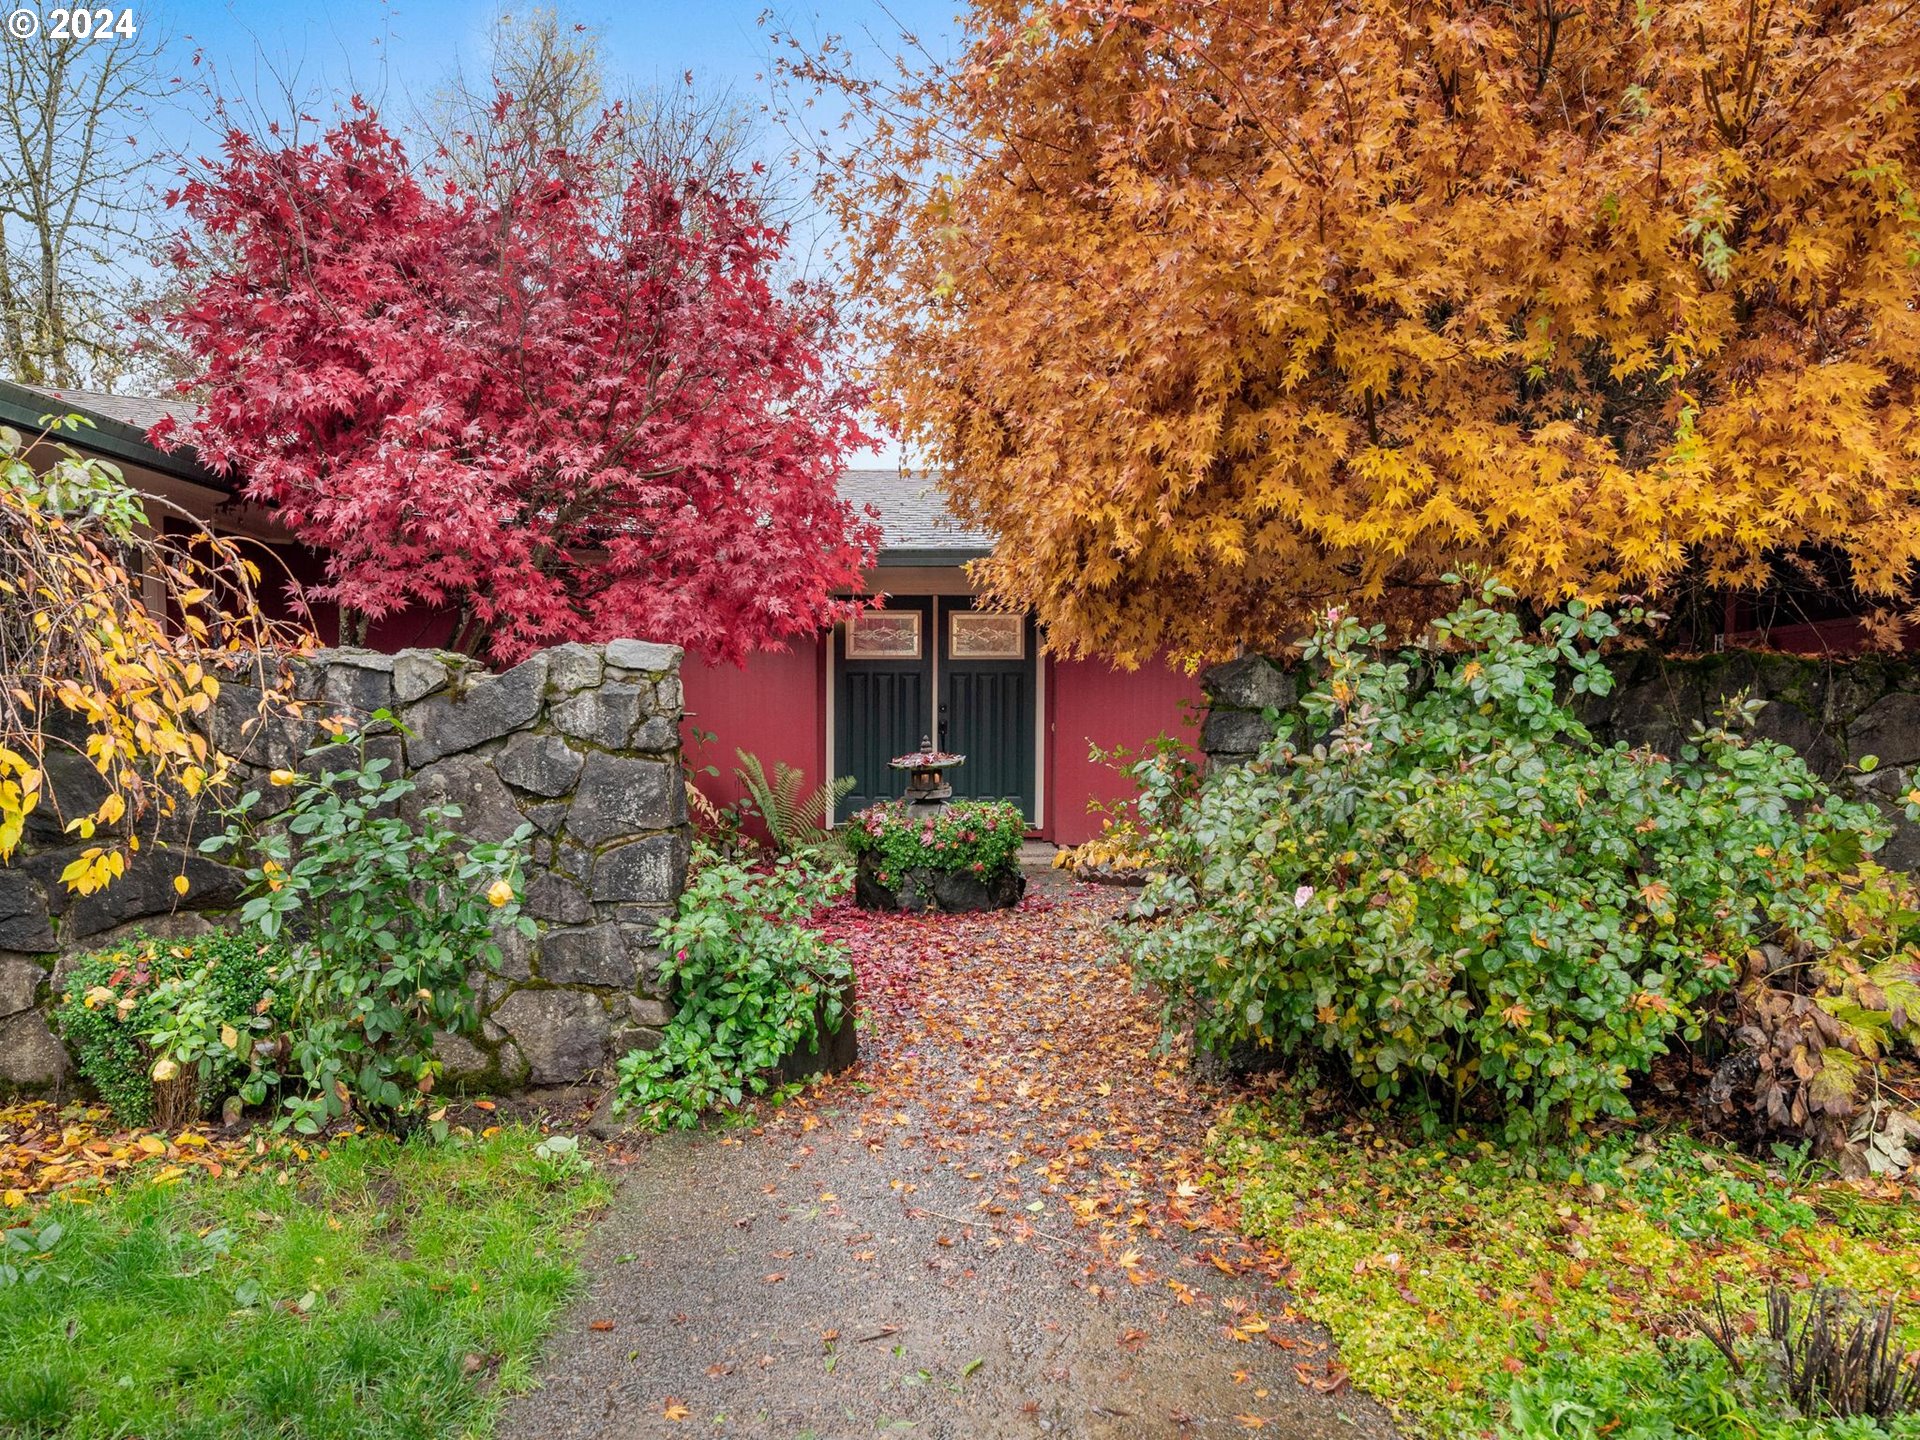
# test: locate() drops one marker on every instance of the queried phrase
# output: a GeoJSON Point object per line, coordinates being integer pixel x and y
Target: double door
{"type": "Point", "coordinates": [912, 671]}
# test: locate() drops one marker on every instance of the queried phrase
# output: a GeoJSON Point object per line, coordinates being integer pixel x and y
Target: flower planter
{"type": "Point", "coordinates": [925, 888]}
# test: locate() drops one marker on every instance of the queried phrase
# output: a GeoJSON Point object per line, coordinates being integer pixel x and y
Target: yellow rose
{"type": "Point", "coordinates": [500, 892]}
{"type": "Point", "coordinates": [165, 1069]}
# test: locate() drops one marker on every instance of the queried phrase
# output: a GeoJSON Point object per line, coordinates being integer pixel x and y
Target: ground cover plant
{"type": "Point", "coordinates": [753, 984]}
{"type": "Point", "coordinates": [1552, 1293]}
{"type": "Point", "coordinates": [1443, 884]}
{"type": "Point", "coordinates": [377, 1289]}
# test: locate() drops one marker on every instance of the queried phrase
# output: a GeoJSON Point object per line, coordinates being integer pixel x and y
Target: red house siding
{"type": "Point", "coordinates": [1091, 703]}
{"type": "Point", "coordinates": [775, 708]}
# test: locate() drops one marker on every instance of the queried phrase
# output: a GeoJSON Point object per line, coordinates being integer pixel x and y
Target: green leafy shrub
{"type": "Point", "coordinates": [1449, 885]}
{"type": "Point", "coordinates": [196, 1014]}
{"type": "Point", "coordinates": [752, 985]}
{"type": "Point", "coordinates": [983, 836]}
{"type": "Point", "coordinates": [383, 918]}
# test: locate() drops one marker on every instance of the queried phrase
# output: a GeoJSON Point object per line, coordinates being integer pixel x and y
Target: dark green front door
{"type": "Point", "coordinates": [987, 710]}
{"type": "Point", "coordinates": [973, 697]}
{"type": "Point", "coordinates": [882, 708]}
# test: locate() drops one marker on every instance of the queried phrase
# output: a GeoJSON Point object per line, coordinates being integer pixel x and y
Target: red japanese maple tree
{"type": "Point", "coordinates": [568, 401]}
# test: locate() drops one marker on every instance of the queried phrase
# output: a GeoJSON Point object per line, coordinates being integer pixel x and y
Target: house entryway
{"type": "Point", "coordinates": [935, 667]}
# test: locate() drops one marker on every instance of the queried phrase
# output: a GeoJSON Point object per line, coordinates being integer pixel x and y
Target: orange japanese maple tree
{"type": "Point", "coordinates": [1217, 310]}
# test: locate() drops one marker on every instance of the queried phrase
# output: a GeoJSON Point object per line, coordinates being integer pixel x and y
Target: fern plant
{"type": "Point", "coordinates": [796, 819]}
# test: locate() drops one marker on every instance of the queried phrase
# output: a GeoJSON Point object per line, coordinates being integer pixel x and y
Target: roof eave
{"type": "Point", "coordinates": [923, 556]}
{"type": "Point", "coordinates": [115, 439]}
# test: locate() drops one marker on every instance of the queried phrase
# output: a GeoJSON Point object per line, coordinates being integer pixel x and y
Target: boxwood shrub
{"type": "Point", "coordinates": [116, 1001]}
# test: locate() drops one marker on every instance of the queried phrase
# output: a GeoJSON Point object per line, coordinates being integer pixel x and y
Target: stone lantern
{"type": "Point", "coordinates": [927, 785]}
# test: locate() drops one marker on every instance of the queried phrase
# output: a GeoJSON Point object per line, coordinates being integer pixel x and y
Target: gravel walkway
{"type": "Point", "coordinates": [992, 1227]}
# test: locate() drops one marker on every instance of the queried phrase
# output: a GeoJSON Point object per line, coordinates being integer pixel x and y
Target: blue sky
{"type": "Point", "coordinates": [396, 51]}
{"type": "Point", "coordinates": [405, 46]}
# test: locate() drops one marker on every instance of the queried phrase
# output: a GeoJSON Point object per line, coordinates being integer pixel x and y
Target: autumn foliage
{"type": "Point", "coordinates": [102, 728]}
{"type": "Point", "coordinates": [564, 397]}
{"type": "Point", "coordinates": [1214, 309]}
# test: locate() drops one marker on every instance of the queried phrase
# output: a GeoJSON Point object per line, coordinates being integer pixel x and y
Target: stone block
{"type": "Point", "coordinates": [624, 1039]}
{"type": "Point", "coordinates": [653, 1013]}
{"type": "Point", "coordinates": [269, 738]}
{"type": "Point", "coordinates": [591, 955]}
{"type": "Point", "coordinates": [20, 982]}
{"type": "Point", "coordinates": [513, 1067]}
{"type": "Point", "coordinates": [557, 900]}
{"type": "Point", "coordinates": [516, 951]}
{"type": "Point", "coordinates": [572, 667]}
{"type": "Point", "coordinates": [146, 890]}
{"type": "Point", "coordinates": [606, 717]}
{"type": "Point", "coordinates": [1889, 728]}
{"type": "Point", "coordinates": [539, 764]}
{"type": "Point", "coordinates": [1253, 682]}
{"type": "Point", "coordinates": [643, 655]}
{"type": "Point", "coordinates": [355, 682]}
{"type": "Point", "coordinates": [487, 811]}
{"type": "Point", "coordinates": [1234, 732]}
{"type": "Point", "coordinates": [25, 911]}
{"type": "Point", "coordinates": [561, 1034]}
{"type": "Point", "coordinates": [647, 872]}
{"type": "Point", "coordinates": [657, 737]}
{"type": "Point", "coordinates": [490, 707]}
{"type": "Point", "coordinates": [418, 673]}
{"type": "Point", "coordinates": [620, 797]}
{"type": "Point", "coordinates": [1789, 725]}
{"type": "Point", "coordinates": [547, 819]}
{"type": "Point", "coordinates": [71, 787]}
{"type": "Point", "coordinates": [462, 1058]}
{"type": "Point", "coordinates": [30, 1057]}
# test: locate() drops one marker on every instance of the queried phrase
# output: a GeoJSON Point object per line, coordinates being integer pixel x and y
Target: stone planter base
{"type": "Point", "coordinates": [959, 892]}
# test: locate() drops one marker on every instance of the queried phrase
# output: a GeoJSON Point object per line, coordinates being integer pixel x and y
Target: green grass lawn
{"type": "Point", "coordinates": [378, 1290]}
{"type": "Point", "coordinates": [1479, 1292]}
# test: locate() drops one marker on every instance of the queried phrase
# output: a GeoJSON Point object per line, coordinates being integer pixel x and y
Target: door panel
{"type": "Point", "coordinates": [987, 714]}
{"type": "Point", "coordinates": [882, 708]}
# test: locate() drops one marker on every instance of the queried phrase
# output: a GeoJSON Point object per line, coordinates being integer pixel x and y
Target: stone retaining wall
{"type": "Point", "coordinates": [582, 741]}
{"type": "Point", "coordinates": [1832, 711]}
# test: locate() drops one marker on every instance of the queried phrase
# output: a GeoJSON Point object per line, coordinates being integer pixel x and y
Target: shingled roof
{"type": "Point", "coordinates": [119, 429]}
{"type": "Point", "coordinates": [915, 525]}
